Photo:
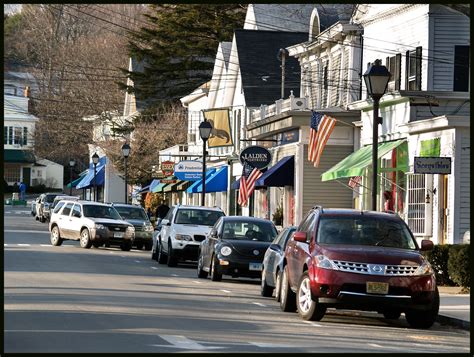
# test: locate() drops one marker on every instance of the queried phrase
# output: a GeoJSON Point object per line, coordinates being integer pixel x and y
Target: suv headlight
{"type": "Point", "coordinates": [324, 262]}
{"type": "Point", "coordinates": [99, 226]}
{"type": "Point", "coordinates": [225, 251]}
{"type": "Point", "coordinates": [183, 237]}
{"type": "Point", "coordinates": [148, 228]}
{"type": "Point", "coordinates": [131, 229]}
{"type": "Point", "coordinates": [424, 269]}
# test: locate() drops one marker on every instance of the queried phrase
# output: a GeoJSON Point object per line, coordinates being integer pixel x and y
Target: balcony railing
{"type": "Point", "coordinates": [280, 106]}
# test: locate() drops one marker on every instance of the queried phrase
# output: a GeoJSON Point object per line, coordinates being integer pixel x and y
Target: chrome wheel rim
{"type": "Point", "coordinates": [84, 238]}
{"type": "Point", "coordinates": [304, 296]}
{"type": "Point", "coordinates": [54, 235]}
{"type": "Point", "coordinates": [283, 285]}
{"type": "Point", "coordinates": [278, 285]}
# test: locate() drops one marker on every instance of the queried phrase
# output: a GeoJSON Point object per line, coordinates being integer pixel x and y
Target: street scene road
{"type": "Point", "coordinates": [69, 299]}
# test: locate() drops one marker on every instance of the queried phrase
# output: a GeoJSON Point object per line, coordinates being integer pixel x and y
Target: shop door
{"type": "Point", "coordinates": [443, 209]}
{"type": "Point", "coordinates": [27, 176]}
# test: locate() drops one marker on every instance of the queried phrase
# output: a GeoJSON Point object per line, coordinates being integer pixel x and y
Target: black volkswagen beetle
{"type": "Point", "coordinates": [235, 246]}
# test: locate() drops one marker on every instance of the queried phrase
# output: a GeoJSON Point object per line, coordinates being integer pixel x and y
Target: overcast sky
{"type": "Point", "coordinates": [10, 8]}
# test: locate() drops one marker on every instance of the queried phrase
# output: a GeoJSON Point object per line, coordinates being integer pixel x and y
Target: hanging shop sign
{"type": "Point", "coordinates": [169, 180]}
{"type": "Point", "coordinates": [188, 170]}
{"type": "Point", "coordinates": [256, 156]}
{"type": "Point", "coordinates": [432, 165]}
{"type": "Point", "coordinates": [167, 168]}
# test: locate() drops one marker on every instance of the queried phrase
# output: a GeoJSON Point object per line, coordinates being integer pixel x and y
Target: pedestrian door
{"type": "Point", "coordinates": [26, 175]}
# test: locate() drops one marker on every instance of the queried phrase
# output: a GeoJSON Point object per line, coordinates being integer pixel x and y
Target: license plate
{"type": "Point", "coordinates": [118, 235]}
{"type": "Point", "coordinates": [255, 266]}
{"type": "Point", "coordinates": [377, 288]}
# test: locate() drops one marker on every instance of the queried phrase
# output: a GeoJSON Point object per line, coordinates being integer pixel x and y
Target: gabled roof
{"type": "Point", "coordinates": [260, 67]}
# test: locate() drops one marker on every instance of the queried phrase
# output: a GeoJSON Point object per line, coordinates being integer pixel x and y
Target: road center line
{"type": "Point", "coordinates": [23, 245]}
{"type": "Point", "coordinates": [259, 304]}
{"type": "Point", "coordinates": [45, 245]}
{"type": "Point", "coordinates": [137, 261]}
{"type": "Point", "coordinates": [312, 323]}
{"type": "Point", "coordinates": [225, 291]}
{"type": "Point", "coordinates": [24, 231]}
{"type": "Point", "coordinates": [154, 268]}
{"type": "Point", "coordinates": [197, 282]}
{"type": "Point", "coordinates": [175, 275]}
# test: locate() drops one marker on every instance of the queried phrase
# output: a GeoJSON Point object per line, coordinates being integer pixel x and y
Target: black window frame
{"type": "Point", "coordinates": [413, 59]}
{"type": "Point", "coordinates": [461, 68]}
{"type": "Point", "coordinates": [66, 207]}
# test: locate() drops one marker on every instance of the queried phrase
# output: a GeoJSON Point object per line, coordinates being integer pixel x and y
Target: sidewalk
{"type": "Point", "coordinates": [455, 308]}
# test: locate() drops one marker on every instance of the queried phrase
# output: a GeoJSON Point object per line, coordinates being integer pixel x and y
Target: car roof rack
{"type": "Point", "coordinates": [319, 207]}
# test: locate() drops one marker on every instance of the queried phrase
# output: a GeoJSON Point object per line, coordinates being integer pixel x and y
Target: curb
{"type": "Point", "coordinates": [452, 321]}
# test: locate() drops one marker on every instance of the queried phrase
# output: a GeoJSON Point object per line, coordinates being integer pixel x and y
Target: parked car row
{"type": "Point", "coordinates": [335, 258]}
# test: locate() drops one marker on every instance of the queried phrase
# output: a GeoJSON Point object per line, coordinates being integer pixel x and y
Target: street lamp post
{"type": "Point", "coordinates": [204, 131]}
{"type": "Point", "coordinates": [95, 161]}
{"type": "Point", "coordinates": [376, 80]}
{"type": "Point", "coordinates": [126, 153]}
{"type": "Point", "coordinates": [71, 165]}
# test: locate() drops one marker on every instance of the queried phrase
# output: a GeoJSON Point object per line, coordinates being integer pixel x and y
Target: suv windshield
{"type": "Point", "coordinates": [50, 198]}
{"type": "Point", "coordinates": [197, 216]}
{"type": "Point", "coordinates": [364, 231]}
{"type": "Point", "coordinates": [245, 230]}
{"type": "Point", "coordinates": [96, 211]}
{"type": "Point", "coordinates": [132, 213]}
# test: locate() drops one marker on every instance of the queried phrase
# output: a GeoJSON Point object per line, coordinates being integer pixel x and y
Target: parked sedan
{"type": "Point", "coordinates": [235, 246]}
{"type": "Point", "coordinates": [273, 263]}
{"type": "Point", "coordinates": [137, 216]}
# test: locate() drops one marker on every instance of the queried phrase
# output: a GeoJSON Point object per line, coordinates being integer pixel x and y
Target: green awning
{"type": "Point", "coordinates": [355, 163]}
{"type": "Point", "coordinates": [17, 156]}
{"type": "Point", "coordinates": [76, 181]}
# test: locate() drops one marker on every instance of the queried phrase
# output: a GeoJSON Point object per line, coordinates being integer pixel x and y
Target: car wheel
{"type": "Point", "coordinates": [42, 219]}
{"type": "Point", "coordinates": [85, 240]}
{"type": "Point", "coordinates": [55, 238]}
{"type": "Point", "coordinates": [426, 318]}
{"type": "Point", "coordinates": [265, 289]}
{"type": "Point", "coordinates": [148, 246]}
{"type": "Point", "coordinates": [139, 246]}
{"type": "Point", "coordinates": [162, 258]}
{"type": "Point", "coordinates": [308, 309]}
{"type": "Point", "coordinates": [215, 275]}
{"type": "Point", "coordinates": [200, 272]}
{"type": "Point", "coordinates": [172, 261]}
{"type": "Point", "coordinates": [287, 296]}
{"type": "Point", "coordinates": [392, 314]}
{"type": "Point", "coordinates": [278, 286]}
{"type": "Point", "coordinates": [126, 246]}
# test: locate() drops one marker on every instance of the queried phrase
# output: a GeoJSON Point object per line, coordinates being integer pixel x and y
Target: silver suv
{"type": "Point", "coordinates": [92, 223]}
{"type": "Point", "coordinates": [182, 230]}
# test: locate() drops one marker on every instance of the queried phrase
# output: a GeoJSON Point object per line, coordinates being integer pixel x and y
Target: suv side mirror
{"type": "Point", "coordinates": [300, 236]}
{"type": "Point", "coordinates": [275, 247]}
{"type": "Point", "coordinates": [165, 222]}
{"type": "Point", "coordinates": [213, 233]}
{"type": "Point", "coordinates": [426, 245]}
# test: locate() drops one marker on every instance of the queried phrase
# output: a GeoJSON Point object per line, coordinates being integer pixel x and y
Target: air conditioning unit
{"type": "Point", "coordinates": [191, 137]}
{"type": "Point", "coordinates": [298, 103]}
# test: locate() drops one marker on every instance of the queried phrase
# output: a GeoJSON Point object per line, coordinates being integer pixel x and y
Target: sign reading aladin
{"type": "Point", "coordinates": [220, 133]}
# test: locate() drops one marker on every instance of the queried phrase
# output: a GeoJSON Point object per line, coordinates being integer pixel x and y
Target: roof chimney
{"type": "Point", "coordinates": [26, 92]}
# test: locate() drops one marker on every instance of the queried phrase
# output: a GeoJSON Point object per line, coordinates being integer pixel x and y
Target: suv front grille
{"type": "Point", "coordinates": [115, 227]}
{"type": "Point", "coordinates": [199, 238]}
{"type": "Point", "coordinates": [139, 228]}
{"type": "Point", "coordinates": [376, 269]}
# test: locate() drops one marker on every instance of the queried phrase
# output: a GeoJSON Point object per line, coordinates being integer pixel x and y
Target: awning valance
{"type": "Point", "coordinates": [279, 175]}
{"type": "Point", "coordinates": [88, 180]}
{"type": "Point", "coordinates": [193, 188]}
{"type": "Point", "coordinates": [153, 184]}
{"type": "Point", "coordinates": [355, 163]}
{"type": "Point", "coordinates": [24, 156]}
{"type": "Point", "coordinates": [144, 189]}
{"type": "Point", "coordinates": [216, 182]}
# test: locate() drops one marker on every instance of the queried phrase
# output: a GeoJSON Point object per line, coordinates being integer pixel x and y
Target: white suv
{"type": "Point", "coordinates": [182, 230]}
{"type": "Point", "coordinates": [92, 223]}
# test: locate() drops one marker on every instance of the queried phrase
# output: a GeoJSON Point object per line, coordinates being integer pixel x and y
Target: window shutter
{"type": "Point", "coordinates": [418, 68]}
{"type": "Point", "coordinates": [407, 69]}
{"type": "Point", "coordinates": [461, 69]}
{"type": "Point", "coordinates": [398, 71]}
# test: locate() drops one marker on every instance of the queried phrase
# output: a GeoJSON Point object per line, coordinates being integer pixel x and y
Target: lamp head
{"type": "Point", "coordinates": [95, 159]}
{"type": "Point", "coordinates": [125, 150]}
{"type": "Point", "coordinates": [72, 162]}
{"type": "Point", "coordinates": [376, 79]}
{"type": "Point", "coordinates": [205, 130]}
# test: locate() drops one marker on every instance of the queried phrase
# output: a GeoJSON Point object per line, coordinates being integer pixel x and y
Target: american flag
{"type": "Point", "coordinates": [247, 183]}
{"type": "Point", "coordinates": [321, 128]}
{"type": "Point", "coordinates": [355, 181]}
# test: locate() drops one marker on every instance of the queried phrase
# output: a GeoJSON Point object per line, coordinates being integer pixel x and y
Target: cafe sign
{"type": "Point", "coordinates": [188, 170]}
{"type": "Point", "coordinates": [432, 165]}
{"type": "Point", "coordinates": [167, 167]}
{"type": "Point", "coordinates": [256, 156]}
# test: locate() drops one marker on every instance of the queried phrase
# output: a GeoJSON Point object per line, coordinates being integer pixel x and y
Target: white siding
{"type": "Point", "coordinates": [450, 29]}
{"type": "Point", "coordinates": [465, 186]}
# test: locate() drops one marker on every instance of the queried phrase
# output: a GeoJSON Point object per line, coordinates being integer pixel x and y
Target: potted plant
{"type": "Point", "coordinates": [277, 216]}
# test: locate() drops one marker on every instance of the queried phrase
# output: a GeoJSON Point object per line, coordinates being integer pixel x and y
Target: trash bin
{"type": "Point", "coordinates": [15, 196]}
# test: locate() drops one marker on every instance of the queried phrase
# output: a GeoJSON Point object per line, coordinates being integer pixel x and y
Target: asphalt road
{"type": "Point", "coordinates": [69, 299]}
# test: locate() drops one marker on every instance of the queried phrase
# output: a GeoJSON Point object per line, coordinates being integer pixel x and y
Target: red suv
{"type": "Point", "coordinates": [359, 260]}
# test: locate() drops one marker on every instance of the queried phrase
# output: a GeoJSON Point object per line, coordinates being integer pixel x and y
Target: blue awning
{"type": "Point", "coordinates": [279, 175]}
{"type": "Point", "coordinates": [158, 188]}
{"type": "Point", "coordinates": [217, 182]}
{"type": "Point", "coordinates": [153, 184]}
{"type": "Point", "coordinates": [193, 188]}
{"type": "Point", "coordinates": [236, 184]}
{"type": "Point", "coordinates": [144, 189]}
{"type": "Point", "coordinates": [88, 180]}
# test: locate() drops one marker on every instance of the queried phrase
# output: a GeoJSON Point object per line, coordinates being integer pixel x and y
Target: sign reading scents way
{"type": "Point", "coordinates": [256, 156]}
{"type": "Point", "coordinates": [188, 170]}
{"type": "Point", "coordinates": [167, 167]}
{"type": "Point", "coordinates": [432, 165]}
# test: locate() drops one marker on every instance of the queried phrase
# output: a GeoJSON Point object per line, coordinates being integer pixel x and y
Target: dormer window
{"type": "Point", "coordinates": [393, 65]}
{"type": "Point", "coordinates": [413, 70]}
